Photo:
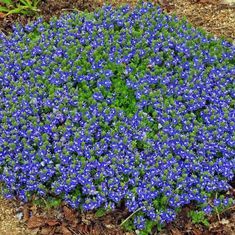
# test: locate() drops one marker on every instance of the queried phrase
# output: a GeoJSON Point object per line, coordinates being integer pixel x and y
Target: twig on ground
{"type": "Point", "coordinates": [71, 230]}
{"type": "Point", "coordinates": [227, 209]}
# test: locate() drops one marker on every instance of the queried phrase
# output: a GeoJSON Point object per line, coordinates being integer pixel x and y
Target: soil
{"type": "Point", "coordinates": [216, 17]}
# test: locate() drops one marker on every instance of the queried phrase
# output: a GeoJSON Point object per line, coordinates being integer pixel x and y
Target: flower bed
{"type": "Point", "coordinates": [117, 105]}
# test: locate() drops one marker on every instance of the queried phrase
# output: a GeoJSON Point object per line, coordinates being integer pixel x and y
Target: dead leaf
{"type": "Point", "coordinates": [166, 5]}
{"type": "Point", "coordinates": [35, 222]}
{"type": "Point", "coordinates": [47, 231]}
{"type": "Point", "coordinates": [2, 15]}
{"type": "Point", "coordinates": [35, 231]}
{"type": "Point", "coordinates": [52, 222]}
{"type": "Point", "coordinates": [83, 228]}
{"type": "Point", "coordinates": [65, 230]}
{"type": "Point", "coordinates": [175, 231]}
{"type": "Point", "coordinates": [96, 230]}
{"type": "Point", "coordinates": [69, 214]}
{"type": "Point", "coordinates": [197, 231]}
{"type": "Point", "coordinates": [26, 213]}
{"type": "Point", "coordinates": [34, 209]}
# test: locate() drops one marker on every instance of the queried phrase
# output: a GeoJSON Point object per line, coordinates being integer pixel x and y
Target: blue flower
{"type": "Point", "coordinates": [117, 105]}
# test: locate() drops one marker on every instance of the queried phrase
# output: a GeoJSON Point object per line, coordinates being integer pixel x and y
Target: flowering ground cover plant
{"type": "Point", "coordinates": [118, 105]}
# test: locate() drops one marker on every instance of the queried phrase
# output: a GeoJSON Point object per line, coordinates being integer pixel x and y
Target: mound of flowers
{"type": "Point", "coordinates": [118, 105]}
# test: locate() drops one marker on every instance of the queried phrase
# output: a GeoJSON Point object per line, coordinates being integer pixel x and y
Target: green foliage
{"type": "Point", "coordinates": [49, 202]}
{"type": "Point", "coordinates": [160, 202]}
{"type": "Point", "coordinates": [100, 212]}
{"type": "Point", "coordinates": [7, 2]}
{"type": "Point", "coordinates": [149, 226]}
{"type": "Point", "coordinates": [198, 217]}
{"type": "Point", "coordinates": [129, 225]}
{"type": "Point", "coordinates": [26, 7]}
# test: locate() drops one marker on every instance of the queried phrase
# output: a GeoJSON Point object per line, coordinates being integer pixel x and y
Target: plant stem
{"type": "Point", "coordinates": [124, 221]}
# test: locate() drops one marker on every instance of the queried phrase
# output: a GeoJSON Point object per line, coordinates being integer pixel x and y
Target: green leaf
{"type": "Point", "coordinates": [54, 202]}
{"type": "Point", "coordinates": [143, 232]}
{"type": "Point", "coordinates": [17, 10]}
{"type": "Point", "coordinates": [7, 2]}
{"type": "Point", "coordinates": [37, 202]}
{"type": "Point", "coordinates": [198, 217]}
{"type": "Point", "coordinates": [100, 212]}
{"type": "Point", "coordinates": [149, 226]}
{"type": "Point", "coordinates": [4, 9]}
{"type": "Point", "coordinates": [25, 3]}
{"type": "Point", "coordinates": [164, 200]}
{"type": "Point", "coordinates": [128, 226]}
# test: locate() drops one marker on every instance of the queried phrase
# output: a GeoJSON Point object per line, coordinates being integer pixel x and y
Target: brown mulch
{"type": "Point", "coordinates": [9, 223]}
{"type": "Point", "coordinates": [29, 219]}
{"type": "Point", "coordinates": [62, 220]}
{"type": "Point", "coordinates": [216, 17]}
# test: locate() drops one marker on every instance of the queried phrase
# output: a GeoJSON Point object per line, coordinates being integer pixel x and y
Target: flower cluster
{"type": "Point", "coordinates": [117, 105]}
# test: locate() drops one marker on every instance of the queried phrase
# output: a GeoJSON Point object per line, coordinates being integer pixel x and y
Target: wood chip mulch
{"type": "Point", "coordinates": [215, 16]}
{"type": "Point", "coordinates": [9, 223]}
